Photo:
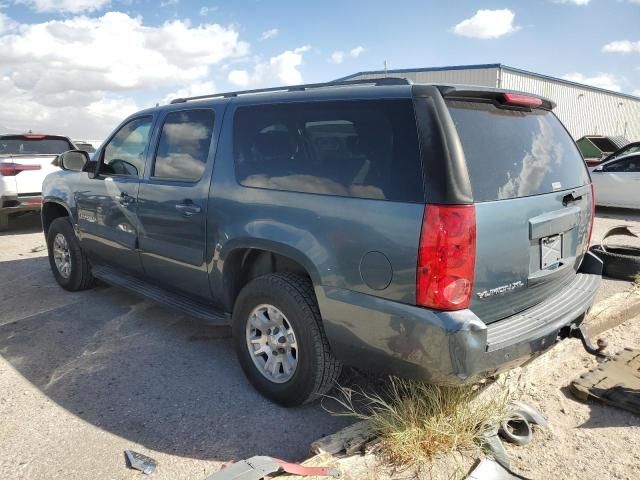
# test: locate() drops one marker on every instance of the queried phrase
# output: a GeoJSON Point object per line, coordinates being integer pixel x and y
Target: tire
{"type": "Point", "coordinates": [316, 370]}
{"type": "Point", "coordinates": [619, 262]}
{"type": "Point", "coordinates": [4, 222]}
{"type": "Point", "coordinates": [79, 275]}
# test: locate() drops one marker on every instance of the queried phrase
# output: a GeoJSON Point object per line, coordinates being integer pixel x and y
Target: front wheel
{"type": "Point", "coordinates": [280, 341]}
{"type": "Point", "coordinates": [68, 262]}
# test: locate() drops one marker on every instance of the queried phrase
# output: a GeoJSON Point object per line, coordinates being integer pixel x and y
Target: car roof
{"type": "Point", "coordinates": [33, 136]}
{"type": "Point", "coordinates": [384, 87]}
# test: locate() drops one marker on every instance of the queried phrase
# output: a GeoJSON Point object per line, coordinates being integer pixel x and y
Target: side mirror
{"type": "Point", "coordinates": [597, 170]}
{"type": "Point", "coordinates": [73, 160]}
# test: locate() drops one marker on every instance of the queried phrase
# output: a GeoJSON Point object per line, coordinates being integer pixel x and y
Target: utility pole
{"type": "Point", "coordinates": [385, 68]}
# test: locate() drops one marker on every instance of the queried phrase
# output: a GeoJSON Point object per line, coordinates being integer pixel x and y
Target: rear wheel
{"type": "Point", "coordinates": [280, 341]}
{"type": "Point", "coordinates": [4, 222]}
{"type": "Point", "coordinates": [68, 262]}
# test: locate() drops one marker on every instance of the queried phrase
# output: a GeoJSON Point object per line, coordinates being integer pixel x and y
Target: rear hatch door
{"type": "Point", "coordinates": [36, 153]}
{"type": "Point", "coordinates": [533, 204]}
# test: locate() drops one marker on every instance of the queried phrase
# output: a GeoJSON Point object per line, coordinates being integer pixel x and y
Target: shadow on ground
{"type": "Point", "coordinates": [142, 372]}
{"type": "Point", "coordinates": [622, 214]}
{"type": "Point", "coordinates": [19, 225]}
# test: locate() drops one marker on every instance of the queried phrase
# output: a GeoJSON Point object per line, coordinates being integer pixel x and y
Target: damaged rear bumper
{"type": "Point", "coordinates": [450, 347]}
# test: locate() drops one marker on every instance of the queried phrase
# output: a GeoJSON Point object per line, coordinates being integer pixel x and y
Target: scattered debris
{"type": "Point", "coordinates": [488, 469]}
{"type": "Point", "coordinates": [530, 413]}
{"type": "Point", "coordinates": [350, 439]}
{"type": "Point", "coordinates": [615, 382]}
{"type": "Point", "coordinates": [137, 461]}
{"type": "Point", "coordinates": [491, 442]}
{"type": "Point", "coordinates": [516, 429]}
{"type": "Point", "coordinates": [256, 468]}
{"type": "Point", "coordinates": [620, 261]}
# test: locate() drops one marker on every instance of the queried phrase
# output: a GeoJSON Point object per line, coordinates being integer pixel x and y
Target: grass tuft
{"type": "Point", "coordinates": [417, 421]}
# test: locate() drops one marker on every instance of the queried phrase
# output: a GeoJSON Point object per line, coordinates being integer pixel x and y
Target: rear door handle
{"type": "Point", "coordinates": [188, 208]}
{"type": "Point", "coordinates": [571, 197]}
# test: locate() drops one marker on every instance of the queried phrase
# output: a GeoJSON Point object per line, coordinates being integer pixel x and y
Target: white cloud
{"type": "Point", "coordinates": [6, 23]}
{"type": "Point", "coordinates": [355, 52]}
{"type": "Point", "coordinates": [267, 34]}
{"type": "Point", "coordinates": [70, 6]}
{"type": "Point", "coordinates": [282, 69]}
{"type": "Point", "coordinates": [339, 55]}
{"type": "Point", "coordinates": [94, 118]}
{"type": "Point", "coordinates": [636, 93]}
{"type": "Point", "coordinates": [600, 80]}
{"type": "Point", "coordinates": [622, 46]}
{"type": "Point", "coordinates": [192, 90]}
{"type": "Point", "coordinates": [169, 3]}
{"type": "Point", "coordinates": [575, 2]}
{"type": "Point", "coordinates": [239, 77]}
{"type": "Point", "coordinates": [82, 67]}
{"type": "Point", "coordinates": [486, 24]}
{"type": "Point", "coordinates": [204, 11]}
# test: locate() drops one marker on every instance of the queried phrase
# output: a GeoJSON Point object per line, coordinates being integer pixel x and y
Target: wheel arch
{"type": "Point", "coordinates": [52, 210]}
{"type": "Point", "coordinates": [245, 261]}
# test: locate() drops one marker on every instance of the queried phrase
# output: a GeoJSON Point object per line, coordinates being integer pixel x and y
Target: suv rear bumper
{"type": "Point", "coordinates": [447, 347]}
{"type": "Point", "coordinates": [20, 203]}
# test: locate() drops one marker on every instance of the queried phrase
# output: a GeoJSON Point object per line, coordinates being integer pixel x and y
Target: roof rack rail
{"type": "Point", "coordinates": [382, 81]}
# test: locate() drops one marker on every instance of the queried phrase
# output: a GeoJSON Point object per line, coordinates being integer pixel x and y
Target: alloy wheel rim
{"type": "Point", "coordinates": [62, 255]}
{"type": "Point", "coordinates": [272, 343]}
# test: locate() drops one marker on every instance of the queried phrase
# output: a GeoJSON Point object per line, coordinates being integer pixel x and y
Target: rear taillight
{"type": "Point", "coordinates": [9, 169]}
{"type": "Point", "coordinates": [446, 257]}
{"type": "Point", "coordinates": [593, 214]}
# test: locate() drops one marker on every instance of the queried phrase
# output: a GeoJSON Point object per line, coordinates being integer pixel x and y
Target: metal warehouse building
{"type": "Point", "coordinates": [585, 110]}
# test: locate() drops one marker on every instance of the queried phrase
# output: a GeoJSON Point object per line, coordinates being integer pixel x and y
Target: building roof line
{"type": "Point", "coordinates": [491, 65]}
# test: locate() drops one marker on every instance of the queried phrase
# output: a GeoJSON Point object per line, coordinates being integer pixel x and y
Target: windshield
{"type": "Point", "coordinates": [33, 146]}
{"type": "Point", "coordinates": [628, 150]}
{"type": "Point", "coordinates": [514, 153]}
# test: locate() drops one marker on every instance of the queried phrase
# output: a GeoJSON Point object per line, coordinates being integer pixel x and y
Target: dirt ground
{"type": "Point", "coordinates": [85, 375]}
{"type": "Point", "coordinates": [582, 440]}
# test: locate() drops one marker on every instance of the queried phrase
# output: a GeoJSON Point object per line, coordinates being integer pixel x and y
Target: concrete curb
{"type": "Point", "coordinates": [613, 311]}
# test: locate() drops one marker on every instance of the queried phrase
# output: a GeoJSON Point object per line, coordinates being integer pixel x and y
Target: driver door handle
{"type": "Point", "coordinates": [125, 199]}
{"type": "Point", "coordinates": [188, 208]}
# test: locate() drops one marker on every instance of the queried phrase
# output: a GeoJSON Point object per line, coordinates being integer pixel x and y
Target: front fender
{"type": "Point", "coordinates": [58, 187]}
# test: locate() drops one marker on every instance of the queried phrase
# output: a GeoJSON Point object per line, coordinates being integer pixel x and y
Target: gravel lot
{"type": "Point", "coordinates": [84, 376]}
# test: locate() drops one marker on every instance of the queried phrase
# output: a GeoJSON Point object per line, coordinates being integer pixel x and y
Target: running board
{"type": "Point", "coordinates": [174, 300]}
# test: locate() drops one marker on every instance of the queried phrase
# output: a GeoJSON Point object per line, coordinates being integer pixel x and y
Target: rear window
{"type": "Point", "coordinates": [513, 154]}
{"type": "Point", "coordinates": [365, 149]}
{"type": "Point", "coordinates": [33, 146]}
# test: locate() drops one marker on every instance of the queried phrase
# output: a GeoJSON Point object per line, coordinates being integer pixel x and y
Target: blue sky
{"type": "Point", "coordinates": [82, 65]}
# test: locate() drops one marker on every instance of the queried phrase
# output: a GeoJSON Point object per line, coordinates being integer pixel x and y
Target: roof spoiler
{"type": "Point", "coordinates": [506, 98]}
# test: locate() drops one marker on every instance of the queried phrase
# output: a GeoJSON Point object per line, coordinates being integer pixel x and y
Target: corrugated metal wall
{"type": "Point", "coordinates": [583, 110]}
{"type": "Point", "coordinates": [480, 76]}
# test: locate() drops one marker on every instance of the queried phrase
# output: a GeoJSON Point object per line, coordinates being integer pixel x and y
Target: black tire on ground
{"type": "Point", "coordinates": [4, 222]}
{"type": "Point", "coordinates": [80, 277]}
{"type": "Point", "coordinates": [317, 369]}
{"type": "Point", "coordinates": [619, 262]}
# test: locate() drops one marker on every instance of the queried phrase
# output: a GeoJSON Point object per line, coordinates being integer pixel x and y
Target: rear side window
{"type": "Point", "coordinates": [365, 149]}
{"type": "Point", "coordinates": [184, 145]}
{"type": "Point", "coordinates": [513, 154]}
{"type": "Point", "coordinates": [33, 146]}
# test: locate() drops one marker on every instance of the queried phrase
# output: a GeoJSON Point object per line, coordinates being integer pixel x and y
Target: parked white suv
{"type": "Point", "coordinates": [24, 162]}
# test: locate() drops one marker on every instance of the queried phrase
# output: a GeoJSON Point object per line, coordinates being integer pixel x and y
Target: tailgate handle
{"type": "Point", "coordinates": [570, 197]}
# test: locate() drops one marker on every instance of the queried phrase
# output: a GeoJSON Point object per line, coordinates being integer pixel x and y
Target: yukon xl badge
{"type": "Point", "coordinates": [502, 289]}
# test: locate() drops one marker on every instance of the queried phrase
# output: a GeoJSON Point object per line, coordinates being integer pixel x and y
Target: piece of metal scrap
{"type": "Point", "coordinates": [256, 468]}
{"type": "Point", "coordinates": [137, 461]}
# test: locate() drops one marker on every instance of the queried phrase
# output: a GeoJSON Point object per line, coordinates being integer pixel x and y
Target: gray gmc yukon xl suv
{"type": "Point", "coordinates": [437, 232]}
